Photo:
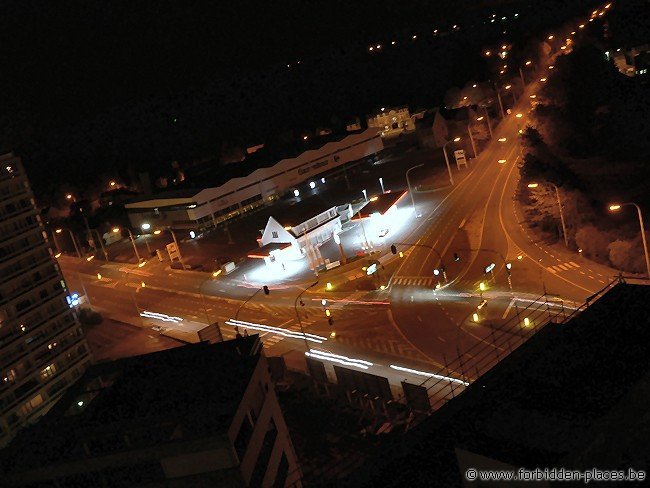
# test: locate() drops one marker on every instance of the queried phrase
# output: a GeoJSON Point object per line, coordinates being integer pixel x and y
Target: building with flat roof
{"type": "Point", "coordinates": [42, 347]}
{"type": "Point", "coordinates": [197, 209]}
{"type": "Point", "coordinates": [198, 415]}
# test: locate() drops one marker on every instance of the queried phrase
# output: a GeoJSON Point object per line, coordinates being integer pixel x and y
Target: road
{"type": "Point", "coordinates": [421, 322]}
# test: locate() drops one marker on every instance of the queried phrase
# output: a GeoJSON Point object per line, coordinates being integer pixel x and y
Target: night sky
{"type": "Point", "coordinates": [89, 89]}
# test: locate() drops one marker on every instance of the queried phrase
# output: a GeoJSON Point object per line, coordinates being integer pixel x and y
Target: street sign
{"type": "Point", "coordinates": [459, 154]}
{"type": "Point", "coordinates": [172, 250]}
{"type": "Point", "coordinates": [371, 269]}
{"type": "Point", "coordinates": [490, 267]}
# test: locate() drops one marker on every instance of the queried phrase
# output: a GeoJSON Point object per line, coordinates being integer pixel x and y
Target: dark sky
{"type": "Point", "coordinates": [92, 87]}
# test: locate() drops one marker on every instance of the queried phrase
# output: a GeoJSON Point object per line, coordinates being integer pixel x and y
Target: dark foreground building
{"type": "Point", "coordinates": [575, 396]}
{"type": "Point", "coordinates": [194, 416]}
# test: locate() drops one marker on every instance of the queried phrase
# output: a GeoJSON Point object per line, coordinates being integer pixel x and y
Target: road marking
{"type": "Point", "coordinates": [551, 270]}
{"type": "Point", "coordinates": [505, 314]}
{"type": "Point", "coordinates": [462, 223]}
{"type": "Point", "coordinates": [575, 265]}
{"type": "Point", "coordinates": [441, 339]}
{"type": "Point", "coordinates": [582, 273]}
{"type": "Point", "coordinates": [562, 267]}
{"type": "Point", "coordinates": [420, 318]}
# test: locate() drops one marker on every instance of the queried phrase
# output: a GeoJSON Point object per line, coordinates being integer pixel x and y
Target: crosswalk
{"type": "Point", "coordinates": [562, 267]}
{"type": "Point", "coordinates": [414, 281]}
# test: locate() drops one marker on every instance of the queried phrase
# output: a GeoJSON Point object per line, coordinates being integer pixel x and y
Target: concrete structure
{"type": "Point", "coordinates": [42, 348]}
{"type": "Point", "coordinates": [198, 415]}
{"type": "Point", "coordinates": [300, 232]}
{"type": "Point", "coordinates": [391, 120]}
{"type": "Point", "coordinates": [201, 209]}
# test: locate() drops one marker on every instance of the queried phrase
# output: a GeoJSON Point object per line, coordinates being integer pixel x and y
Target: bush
{"type": "Point", "coordinates": [594, 243]}
{"type": "Point", "coordinates": [627, 255]}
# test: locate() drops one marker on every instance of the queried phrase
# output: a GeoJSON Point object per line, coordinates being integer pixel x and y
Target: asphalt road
{"type": "Point", "coordinates": [413, 324]}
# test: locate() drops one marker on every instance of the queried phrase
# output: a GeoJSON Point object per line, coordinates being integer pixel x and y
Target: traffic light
{"type": "Point", "coordinates": [266, 289]}
{"type": "Point", "coordinates": [456, 257]}
{"type": "Point", "coordinates": [327, 312]}
{"type": "Point", "coordinates": [393, 249]}
{"type": "Point", "coordinates": [331, 322]}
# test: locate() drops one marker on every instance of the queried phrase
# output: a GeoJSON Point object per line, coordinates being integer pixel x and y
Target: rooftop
{"type": "Point", "coordinates": [302, 209]}
{"type": "Point", "coordinates": [188, 392]}
{"type": "Point", "coordinates": [564, 398]}
{"type": "Point", "coordinates": [380, 204]}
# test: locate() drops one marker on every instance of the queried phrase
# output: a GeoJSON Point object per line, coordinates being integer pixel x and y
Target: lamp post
{"type": "Point", "coordinates": [56, 242]}
{"type": "Point", "coordinates": [74, 242]}
{"type": "Point", "coordinates": [616, 207]}
{"type": "Point", "coordinates": [559, 204]}
{"type": "Point", "coordinates": [135, 248]}
{"type": "Point", "coordinates": [521, 72]}
{"type": "Point", "coordinates": [514, 97]}
{"type": "Point", "coordinates": [444, 151]}
{"type": "Point", "coordinates": [489, 124]}
{"type": "Point", "coordinates": [471, 138]}
{"type": "Point", "coordinates": [503, 114]}
{"type": "Point", "coordinates": [408, 184]}
{"type": "Point", "coordinates": [295, 308]}
{"type": "Point", "coordinates": [101, 243]}
{"type": "Point", "coordinates": [178, 249]}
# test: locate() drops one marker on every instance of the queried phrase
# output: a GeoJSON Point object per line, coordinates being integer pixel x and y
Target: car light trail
{"type": "Point", "coordinates": [161, 316]}
{"type": "Point", "coordinates": [429, 375]}
{"type": "Point", "coordinates": [346, 361]}
{"type": "Point", "coordinates": [277, 330]}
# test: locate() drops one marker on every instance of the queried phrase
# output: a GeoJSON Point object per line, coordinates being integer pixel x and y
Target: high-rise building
{"type": "Point", "coordinates": [42, 347]}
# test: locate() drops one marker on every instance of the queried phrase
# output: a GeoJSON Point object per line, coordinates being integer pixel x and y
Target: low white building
{"type": "Point", "coordinates": [200, 209]}
{"type": "Point", "coordinates": [299, 233]}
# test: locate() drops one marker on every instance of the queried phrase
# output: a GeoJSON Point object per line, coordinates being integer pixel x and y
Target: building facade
{"type": "Point", "coordinates": [202, 209]}
{"type": "Point", "coordinates": [204, 415]}
{"type": "Point", "coordinates": [42, 348]}
{"type": "Point", "coordinates": [391, 120]}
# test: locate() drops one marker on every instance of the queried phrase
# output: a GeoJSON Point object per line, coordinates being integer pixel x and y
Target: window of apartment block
{"type": "Point", "coordinates": [48, 371]}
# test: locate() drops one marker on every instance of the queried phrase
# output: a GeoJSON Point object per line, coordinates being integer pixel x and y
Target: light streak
{"type": "Point", "coordinates": [161, 316]}
{"type": "Point", "coordinates": [277, 330]}
{"type": "Point", "coordinates": [336, 358]}
{"type": "Point", "coordinates": [430, 375]}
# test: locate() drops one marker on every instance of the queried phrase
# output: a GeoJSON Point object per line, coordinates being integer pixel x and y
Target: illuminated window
{"type": "Point", "coordinates": [48, 371]}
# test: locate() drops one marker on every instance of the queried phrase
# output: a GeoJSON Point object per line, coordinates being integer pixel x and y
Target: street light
{"type": "Point", "coordinates": [444, 150]}
{"type": "Point", "coordinates": [135, 248]}
{"type": "Point", "coordinates": [559, 204]}
{"type": "Point", "coordinates": [408, 184]}
{"type": "Point", "coordinates": [615, 208]}
{"type": "Point", "coordinates": [74, 241]}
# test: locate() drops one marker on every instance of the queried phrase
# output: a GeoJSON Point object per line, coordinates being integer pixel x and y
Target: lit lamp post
{"type": "Point", "coordinates": [514, 97]}
{"type": "Point", "coordinates": [487, 117]}
{"type": "Point", "coordinates": [408, 184]}
{"type": "Point", "coordinates": [145, 227]}
{"type": "Point", "coordinates": [616, 207]}
{"type": "Point", "coordinates": [559, 204]}
{"type": "Point", "coordinates": [135, 248]}
{"type": "Point", "coordinates": [521, 71]}
{"type": "Point", "coordinates": [101, 243]}
{"type": "Point", "coordinates": [56, 242]}
{"type": "Point", "coordinates": [444, 150]}
{"type": "Point", "coordinates": [295, 307]}
{"type": "Point", "coordinates": [178, 249]}
{"type": "Point", "coordinates": [74, 241]}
